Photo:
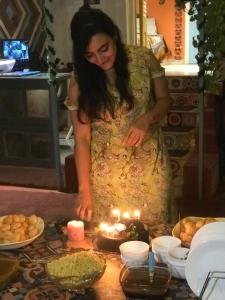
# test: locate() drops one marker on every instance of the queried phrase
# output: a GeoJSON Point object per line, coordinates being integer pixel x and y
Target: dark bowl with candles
{"type": "Point", "coordinates": [136, 282]}
{"type": "Point", "coordinates": [135, 230]}
{"type": "Point", "coordinates": [110, 243]}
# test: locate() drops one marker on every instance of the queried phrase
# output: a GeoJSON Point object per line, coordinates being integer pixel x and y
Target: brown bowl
{"type": "Point", "coordinates": [136, 283]}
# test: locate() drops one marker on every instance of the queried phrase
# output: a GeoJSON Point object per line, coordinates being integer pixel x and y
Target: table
{"type": "Point", "coordinates": [33, 284]}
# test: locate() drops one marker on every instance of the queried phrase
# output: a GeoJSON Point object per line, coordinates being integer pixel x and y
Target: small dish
{"type": "Point", "coordinates": [162, 244]}
{"type": "Point", "coordinates": [176, 259]}
{"type": "Point", "coordinates": [135, 282]}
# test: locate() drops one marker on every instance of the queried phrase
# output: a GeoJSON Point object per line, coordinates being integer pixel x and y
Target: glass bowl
{"type": "Point", "coordinates": [136, 283]}
{"type": "Point", "coordinates": [76, 271]}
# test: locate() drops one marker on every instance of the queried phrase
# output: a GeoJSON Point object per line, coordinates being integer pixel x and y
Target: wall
{"type": "Point", "coordinates": [121, 11]}
{"type": "Point", "coordinates": [23, 19]}
{"type": "Point", "coordinates": [170, 23]}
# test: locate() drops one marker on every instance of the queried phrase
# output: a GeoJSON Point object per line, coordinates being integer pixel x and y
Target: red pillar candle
{"type": "Point", "coordinates": [75, 230]}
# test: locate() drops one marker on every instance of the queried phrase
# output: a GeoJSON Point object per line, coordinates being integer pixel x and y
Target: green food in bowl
{"type": "Point", "coordinates": [77, 270]}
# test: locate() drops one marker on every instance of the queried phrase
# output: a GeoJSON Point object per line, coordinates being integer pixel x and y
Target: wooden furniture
{"type": "Point", "coordinates": [29, 138]}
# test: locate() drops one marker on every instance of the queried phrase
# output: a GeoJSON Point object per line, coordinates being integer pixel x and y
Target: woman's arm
{"type": "Point", "coordinates": [82, 137]}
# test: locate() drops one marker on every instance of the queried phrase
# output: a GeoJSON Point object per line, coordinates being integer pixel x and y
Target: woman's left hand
{"type": "Point", "coordinates": [137, 131]}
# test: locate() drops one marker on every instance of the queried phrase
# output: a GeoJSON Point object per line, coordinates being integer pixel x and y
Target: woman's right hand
{"type": "Point", "coordinates": [83, 205]}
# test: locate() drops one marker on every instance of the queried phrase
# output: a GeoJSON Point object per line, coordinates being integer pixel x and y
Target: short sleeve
{"type": "Point", "coordinates": [155, 68]}
{"type": "Point", "coordinates": [71, 101]}
{"type": "Point", "coordinates": [158, 73]}
{"type": "Point", "coordinates": [70, 106]}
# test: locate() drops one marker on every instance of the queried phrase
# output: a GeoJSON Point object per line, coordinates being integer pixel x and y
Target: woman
{"type": "Point", "coordinates": [117, 97]}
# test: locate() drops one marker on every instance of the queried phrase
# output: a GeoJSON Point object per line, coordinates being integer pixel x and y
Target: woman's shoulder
{"type": "Point", "coordinates": [71, 101]}
{"type": "Point", "coordinates": [140, 55]}
{"type": "Point", "coordinates": [137, 50]}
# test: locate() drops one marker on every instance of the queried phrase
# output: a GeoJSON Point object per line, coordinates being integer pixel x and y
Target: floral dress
{"type": "Point", "coordinates": [130, 178]}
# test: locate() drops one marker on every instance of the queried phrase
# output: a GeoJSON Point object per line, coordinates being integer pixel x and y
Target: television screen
{"type": "Point", "coordinates": [17, 49]}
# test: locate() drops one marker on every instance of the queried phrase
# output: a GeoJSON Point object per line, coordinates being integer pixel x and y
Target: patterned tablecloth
{"type": "Point", "coordinates": [32, 282]}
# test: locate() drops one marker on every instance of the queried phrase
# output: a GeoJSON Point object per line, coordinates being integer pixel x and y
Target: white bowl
{"type": "Point", "coordinates": [134, 262]}
{"type": "Point", "coordinates": [6, 65]}
{"type": "Point", "coordinates": [134, 252]}
{"type": "Point", "coordinates": [162, 244]}
{"type": "Point", "coordinates": [176, 260]}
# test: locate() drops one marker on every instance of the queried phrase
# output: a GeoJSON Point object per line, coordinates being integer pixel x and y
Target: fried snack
{"type": "Point", "coordinates": [32, 219]}
{"type": "Point", "coordinates": [189, 226]}
{"type": "Point", "coordinates": [199, 224]}
{"type": "Point", "coordinates": [209, 220]}
{"type": "Point", "coordinates": [18, 228]}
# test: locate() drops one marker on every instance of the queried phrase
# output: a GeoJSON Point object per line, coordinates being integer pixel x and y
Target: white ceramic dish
{"type": "Point", "coordinates": [207, 257]}
{"type": "Point", "coordinates": [16, 245]}
{"type": "Point", "coordinates": [134, 252]}
{"type": "Point", "coordinates": [132, 249]}
{"type": "Point", "coordinates": [176, 259]}
{"type": "Point", "coordinates": [211, 231]}
{"type": "Point", "coordinates": [136, 262]}
{"type": "Point", "coordinates": [162, 244]}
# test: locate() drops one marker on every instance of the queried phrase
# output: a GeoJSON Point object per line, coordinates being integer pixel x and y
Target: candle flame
{"type": "Point", "coordinates": [126, 215]}
{"type": "Point", "coordinates": [116, 213]}
{"type": "Point", "coordinates": [137, 214]}
{"type": "Point", "coordinates": [103, 226]}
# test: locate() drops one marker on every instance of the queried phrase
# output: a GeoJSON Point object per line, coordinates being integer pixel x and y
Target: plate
{"type": "Point", "coordinates": [16, 245]}
{"type": "Point", "coordinates": [207, 257]}
{"type": "Point", "coordinates": [211, 231]}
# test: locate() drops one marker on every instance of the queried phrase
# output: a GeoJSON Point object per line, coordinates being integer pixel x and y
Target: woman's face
{"type": "Point", "coordinates": [101, 51]}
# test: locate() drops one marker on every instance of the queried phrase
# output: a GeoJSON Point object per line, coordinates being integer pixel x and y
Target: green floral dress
{"type": "Point", "coordinates": [130, 178]}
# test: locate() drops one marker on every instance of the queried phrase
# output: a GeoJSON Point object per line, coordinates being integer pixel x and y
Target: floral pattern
{"type": "Point", "coordinates": [130, 178]}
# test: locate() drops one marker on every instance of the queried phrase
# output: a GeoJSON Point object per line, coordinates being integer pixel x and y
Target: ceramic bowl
{"type": "Point", "coordinates": [134, 252]}
{"type": "Point", "coordinates": [176, 261]}
{"type": "Point", "coordinates": [162, 244]}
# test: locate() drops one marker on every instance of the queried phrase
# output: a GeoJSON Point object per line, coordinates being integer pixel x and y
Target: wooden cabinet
{"type": "Point", "coordinates": [29, 138]}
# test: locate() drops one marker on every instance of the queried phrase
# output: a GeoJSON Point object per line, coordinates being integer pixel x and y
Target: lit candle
{"type": "Point", "coordinates": [116, 213]}
{"type": "Point", "coordinates": [137, 214]}
{"type": "Point", "coordinates": [103, 226]}
{"type": "Point", "coordinates": [75, 230]}
{"type": "Point", "coordinates": [119, 227]}
{"type": "Point", "coordinates": [126, 215]}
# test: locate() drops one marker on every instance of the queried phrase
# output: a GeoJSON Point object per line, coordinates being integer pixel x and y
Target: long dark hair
{"type": "Point", "coordinates": [95, 99]}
